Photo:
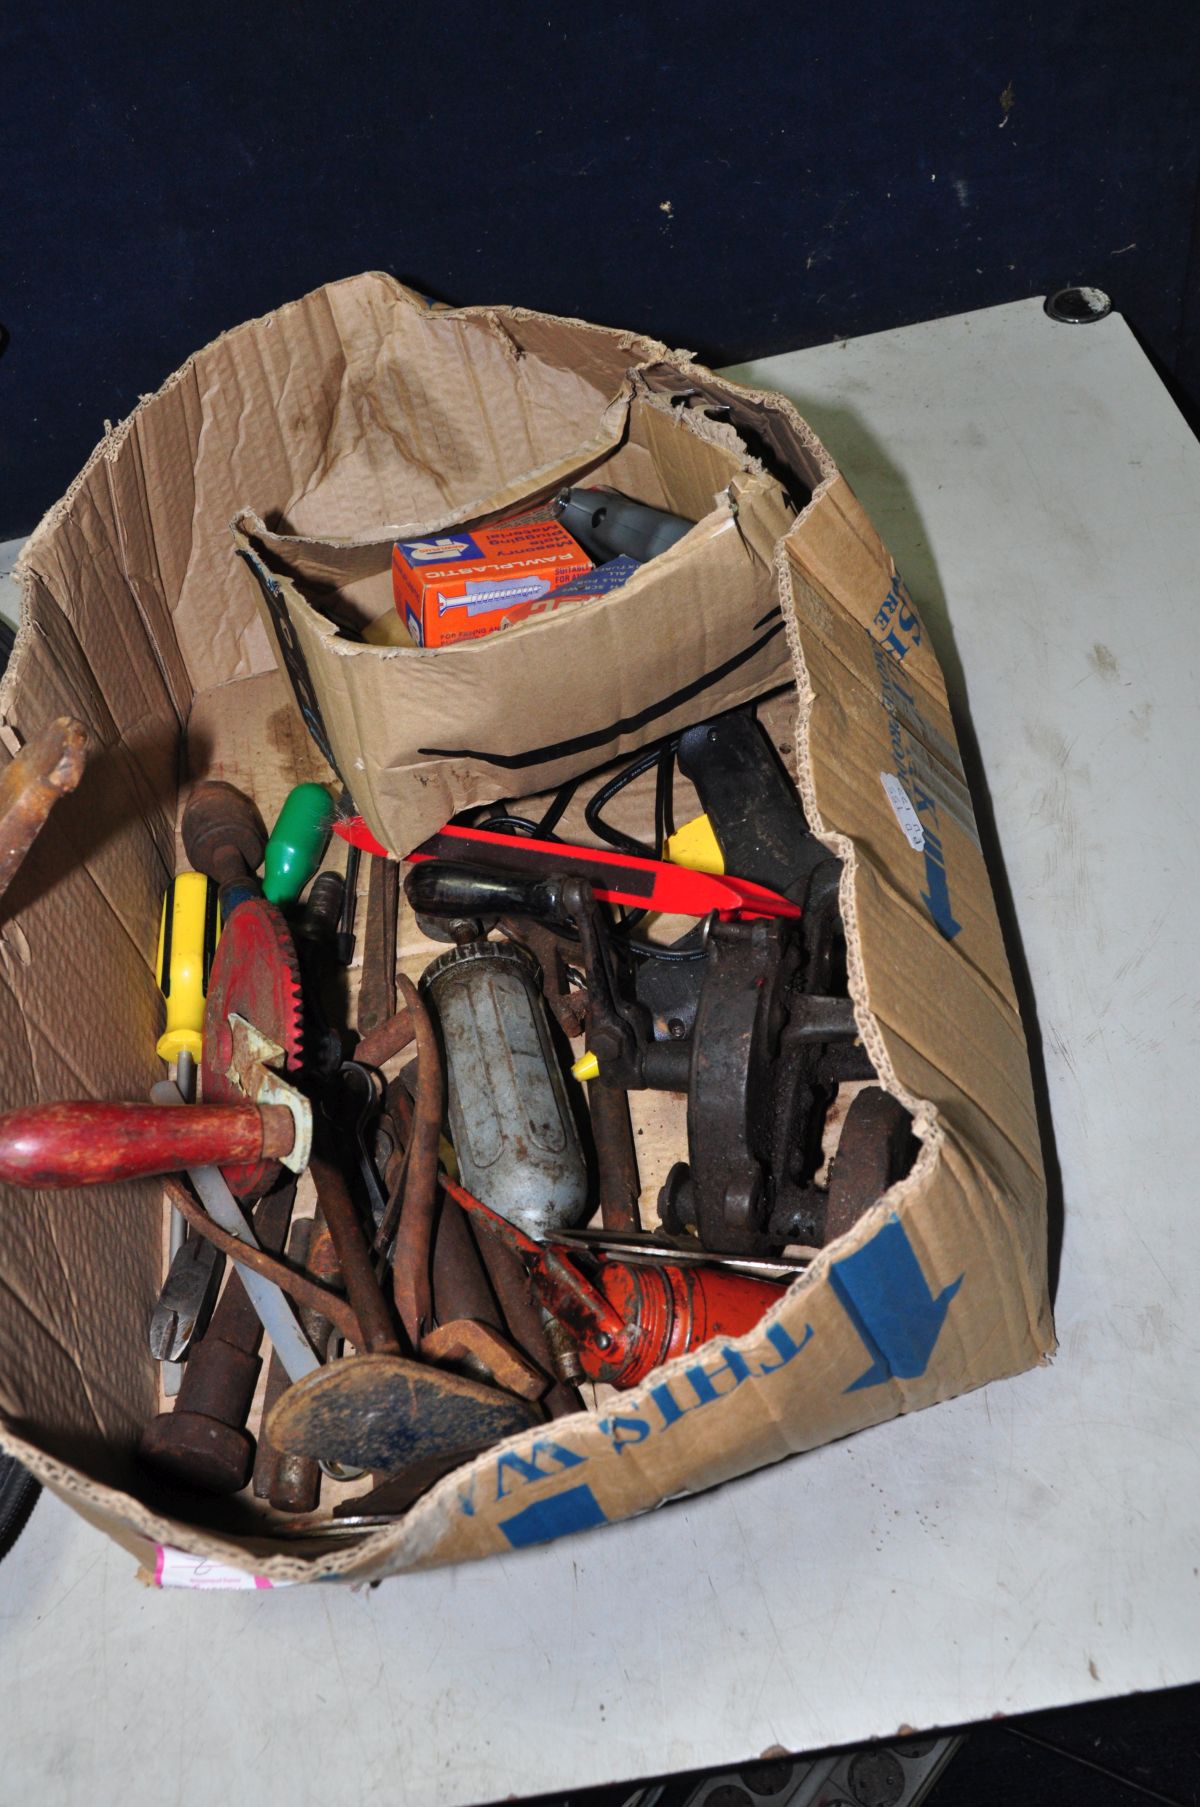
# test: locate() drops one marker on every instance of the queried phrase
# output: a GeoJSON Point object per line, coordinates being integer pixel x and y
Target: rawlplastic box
{"type": "Point", "coordinates": [461, 586]}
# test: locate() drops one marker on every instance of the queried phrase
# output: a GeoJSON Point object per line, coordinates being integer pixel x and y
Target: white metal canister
{"type": "Point", "coordinates": [513, 1132]}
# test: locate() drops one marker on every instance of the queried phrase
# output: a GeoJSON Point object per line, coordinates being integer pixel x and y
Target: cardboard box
{"type": "Point", "coordinates": [694, 631]}
{"type": "Point", "coordinates": [461, 586]}
{"type": "Point", "coordinates": [348, 419]}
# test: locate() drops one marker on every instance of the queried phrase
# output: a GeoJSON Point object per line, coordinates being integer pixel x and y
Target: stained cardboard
{"type": "Point", "coordinates": [696, 630]}
{"type": "Point", "coordinates": [348, 416]}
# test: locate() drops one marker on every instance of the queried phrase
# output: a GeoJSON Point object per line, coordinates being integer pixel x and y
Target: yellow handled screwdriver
{"type": "Point", "coordinates": [187, 940]}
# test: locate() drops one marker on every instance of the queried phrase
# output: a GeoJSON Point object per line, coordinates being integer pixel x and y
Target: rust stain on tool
{"type": "Point", "coordinates": [298, 1478]}
{"type": "Point", "coordinates": [204, 1442]}
{"type": "Point", "coordinates": [413, 1258]}
{"type": "Point", "coordinates": [268, 1458]}
{"type": "Point", "coordinates": [223, 834]}
{"type": "Point", "coordinates": [461, 1288]}
{"type": "Point", "coordinates": [304, 1291]}
{"type": "Point", "coordinates": [616, 1156]}
{"type": "Point", "coordinates": [874, 1151]}
{"type": "Point", "coordinates": [523, 1317]}
{"type": "Point", "coordinates": [462, 1339]}
{"type": "Point", "coordinates": [378, 1410]}
{"type": "Point", "coordinates": [389, 1039]}
{"type": "Point", "coordinates": [398, 1111]}
{"type": "Point", "coordinates": [377, 986]}
{"type": "Point", "coordinates": [294, 1482]}
{"type": "Point", "coordinates": [354, 1257]}
{"type": "Point", "coordinates": [553, 953]}
{"type": "Point", "coordinates": [47, 767]}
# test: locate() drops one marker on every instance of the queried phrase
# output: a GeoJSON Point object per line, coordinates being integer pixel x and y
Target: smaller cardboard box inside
{"type": "Point", "coordinates": [334, 427]}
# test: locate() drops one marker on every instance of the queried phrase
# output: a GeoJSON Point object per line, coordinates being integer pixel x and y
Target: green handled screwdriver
{"type": "Point", "coordinates": [297, 843]}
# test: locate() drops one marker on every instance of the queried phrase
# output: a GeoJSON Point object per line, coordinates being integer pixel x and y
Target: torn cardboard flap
{"type": "Point", "coordinates": [338, 417]}
{"type": "Point", "coordinates": [695, 631]}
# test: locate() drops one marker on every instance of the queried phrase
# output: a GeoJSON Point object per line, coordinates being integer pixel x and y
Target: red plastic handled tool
{"type": "Point", "coordinates": [621, 878]}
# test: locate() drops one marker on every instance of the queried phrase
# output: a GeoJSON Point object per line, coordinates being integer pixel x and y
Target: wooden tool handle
{"type": "Point", "coordinates": [83, 1144]}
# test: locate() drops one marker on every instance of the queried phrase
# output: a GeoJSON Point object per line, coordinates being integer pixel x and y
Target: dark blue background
{"type": "Point", "coordinates": [738, 180]}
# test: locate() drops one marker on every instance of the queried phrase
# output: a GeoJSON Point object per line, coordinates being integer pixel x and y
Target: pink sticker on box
{"type": "Point", "coordinates": [174, 1568]}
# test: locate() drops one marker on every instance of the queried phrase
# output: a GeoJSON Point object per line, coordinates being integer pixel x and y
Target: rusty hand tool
{"type": "Point", "coordinates": [251, 1121]}
{"type": "Point", "coordinates": [378, 1409]}
{"type": "Point", "coordinates": [254, 1031]}
{"type": "Point", "coordinates": [46, 1146]}
{"type": "Point", "coordinates": [616, 1156]}
{"type": "Point", "coordinates": [203, 1442]}
{"type": "Point", "coordinates": [292, 1483]}
{"type": "Point", "coordinates": [484, 1351]}
{"type": "Point", "coordinates": [225, 838]}
{"type": "Point", "coordinates": [875, 1149]}
{"type": "Point", "coordinates": [759, 1069]}
{"type": "Point", "coordinates": [634, 1316]}
{"type": "Point", "coordinates": [267, 1458]}
{"type": "Point", "coordinates": [377, 984]}
{"type": "Point", "coordinates": [274, 1312]}
{"type": "Point", "coordinates": [528, 1325]}
{"type": "Point", "coordinates": [554, 953]}
{"type": "Point", "coordinates": [413, 1255]}
{"type": "Point", "coordinates": [469, 1324]}
{"type": "Point", "coordinates": [183, 1303]}
{"type": "Point", "coordinates": [48, 767]}
{"type": "Point", "coordinates": [356, 1107]}
{"type": "Point", "coordinates": [393, 1496]}
{"type": "Point", "coordinates": [254, 1261]}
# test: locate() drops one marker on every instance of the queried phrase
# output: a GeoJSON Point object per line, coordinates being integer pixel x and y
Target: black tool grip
{"type": "Point", "coordinates": [441, 888]}
{"type": "Point", "coordinates": [752, 803]}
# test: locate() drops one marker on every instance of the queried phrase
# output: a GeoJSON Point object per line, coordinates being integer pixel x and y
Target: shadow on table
{"type": "Point", "coordinates": [882, 489]}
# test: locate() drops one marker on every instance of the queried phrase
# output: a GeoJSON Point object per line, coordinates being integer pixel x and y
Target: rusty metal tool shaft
{"type": "Point", "coordinates": [411, 1272]}
{"type": "Point", "coordinates": [203, 1442]}
{"type": "Point", "coordinates": [354, 1257]}
{"type": "Point", "coordinates": [47, 767]}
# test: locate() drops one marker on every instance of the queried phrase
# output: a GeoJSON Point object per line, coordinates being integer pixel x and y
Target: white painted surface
{"type": "Point", "coordinates": [1032, 1544]}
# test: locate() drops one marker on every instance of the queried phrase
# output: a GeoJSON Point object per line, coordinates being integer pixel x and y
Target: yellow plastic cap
{"type": "Point", "coordinates": [586, 1067]}
{"type": "Point", "coordinates": [695, 845]}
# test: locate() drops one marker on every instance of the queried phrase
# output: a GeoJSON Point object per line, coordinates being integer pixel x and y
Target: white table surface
{"type": "Point", "coordinates": [1032, 1544]}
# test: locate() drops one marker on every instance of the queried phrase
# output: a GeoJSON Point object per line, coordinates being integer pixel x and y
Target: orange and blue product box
{"type": "Point", "coordinates": [461, 586]}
